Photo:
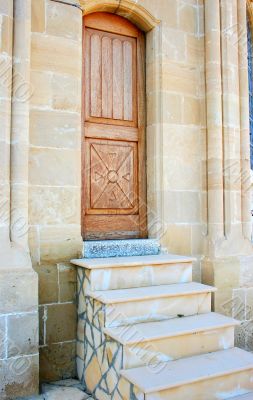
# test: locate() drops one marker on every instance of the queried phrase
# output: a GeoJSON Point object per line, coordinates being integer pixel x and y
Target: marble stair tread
{"type": "Point", "coordinates": [120, 248]}
{"type": "Point", "coordinates": [190, 370]}
{"type": "Point", "coordinates": [117, 262]}
{"type": "Point", "coordinates": [149, 331]}
{"type": "Point", "coordinates": [150, 292]}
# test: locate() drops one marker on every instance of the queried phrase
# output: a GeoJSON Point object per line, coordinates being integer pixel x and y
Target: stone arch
{"type": "Point", "coordinates": [129, 9]}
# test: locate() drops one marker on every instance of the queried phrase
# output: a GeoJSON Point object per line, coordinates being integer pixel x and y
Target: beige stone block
{"type": "Point", "coordinates": [195, 48]}
{"type": "Point", "coordinates": [249, 304]}
{"type": "Point", "coordinates": [181, 155]}
{"type": "Point", "coordinates": [193, 111]}
{"type": "Point", "coordinates": [174, 45]}
{"type": "Point", "coordinates": [60, 244]}
{"type": "Point", "coordinates": [56, 167]}
{"type": "Point", "coordinates": [179, 78]}
{"type": "Point", "coordinates": [18, 291]}
{"type": "Point", "coordinates": [42, 88]}
{"type": "Point", "coordinates": [55, 129]}
{"type": "Point", "coordinates": [5, 34]}
{"type": "Point", "coordinates": [52, 53]}
{"type": "Point", "coordinates": [172, 108]}
{"type": "Point", "coordinates": [21, 377]}
{"type": "Point", "coordinates": [66, 93]}
{"type": "Point", "coordinates": [57, 361]}
{"type": "Point", "coordinates": [54, 206]}
{"type": "Point", "coordinates": [3, 337]}
{"type": "Point", "coordinates": [5, 82]}
{"type": "Point", "coordinates": [198, 237]}
{"type": "Point", "coordinates": [175, 210]}
{"type": "Point", "coordinates": [22, 334]}
{"type": "Point", "coordinates": [63, 20]}
{"type": "Point", "coordinates": [48, 284]}
{"type": "Point", "coordinates": [34, 244]}
{"type": "Point", "coordinates": [61, 323]}
{"type": "Point", "coordinates": [67, 283]}
{"type": "Point", "coordinates": [188, 19]}
{"type": "Point", "coordinates": [177, 239]}
{"type": "Point", "coordinates": [38, 16]}
{"type": "Point", "coordinates": [239, 304]}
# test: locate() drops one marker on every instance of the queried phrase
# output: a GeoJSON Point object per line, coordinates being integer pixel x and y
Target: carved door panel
{"type": "Point", "coordinates": [114, 177]}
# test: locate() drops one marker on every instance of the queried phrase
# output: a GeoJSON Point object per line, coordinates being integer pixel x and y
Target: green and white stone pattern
{"type": "Point", "coordinates": [99, 358]}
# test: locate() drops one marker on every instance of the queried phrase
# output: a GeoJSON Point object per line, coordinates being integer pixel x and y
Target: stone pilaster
{"type": "Point", "coordinates": [18, 282]}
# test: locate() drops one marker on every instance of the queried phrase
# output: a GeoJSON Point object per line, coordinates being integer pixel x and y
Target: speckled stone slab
{"type": "Point", "coordinates": [120, 248]}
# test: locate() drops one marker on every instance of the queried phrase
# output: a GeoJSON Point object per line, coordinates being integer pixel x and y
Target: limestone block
{"type": "Point", "coordinates": [38, 16]}
{"type": "Point", "coordinates": [18, 291]}
{"type": "Point", "coordinates": [63, 20]}
{"type": "Point", "coordinates": [42, 88]}
{"type": "Point", "coordinates": [20, 377]}
{"type": "Point", "coordinates": [60, 244]}
{"type": "Point", "coordinates": [22, 334]}
{"type": "Point", "coordinates": [52, 53]}
{"type": "Point", "coordinates": [188, 19]}
{"type": "Point", "coordinates": [174, 45]}
{"type": "Point", "coordinates": [176, 210]}
{"type": "Point", "coordinates": [192, 111]}
{"type": "Point", "coordinates": [67, 283]}
{"type": "Point", "coordinates": [66, 92]}
{"type": "Point", "coordinates": [57, 361]}
{"type": "Point", "coordinates": [56, 167]}
{"type": "Point", "coordinates": [172, 239]}
{"type": "Point", "coordinates": [54, 206]}
{"type": "Point", "coordinates": [5, 34]}
{"type": "Point", "coordinates": [60, 323]}
{"type": "Point", "coordinates": [34, 244]}
{"type": "Point", "coordinates": [55, 129]}
{"type": "Point", "coordinates": [48, 283]}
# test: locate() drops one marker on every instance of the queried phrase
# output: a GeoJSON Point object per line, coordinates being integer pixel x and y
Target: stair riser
{"type": "Point", "coordinates": [160, 309]}
{"type": "Point", "coordinates": [220, 388]}
{"type": "Point", "coordinates": [133, 277]}
{"type": "Point", "coordinates": [153, 353]}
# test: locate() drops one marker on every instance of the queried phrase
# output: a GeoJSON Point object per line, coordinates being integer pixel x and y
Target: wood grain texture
{"type": "Point", "coordinates": [114, 154]}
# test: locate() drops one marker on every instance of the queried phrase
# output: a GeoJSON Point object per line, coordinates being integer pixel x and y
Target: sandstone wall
{"type": "Point", "coordinates": [54, 178]}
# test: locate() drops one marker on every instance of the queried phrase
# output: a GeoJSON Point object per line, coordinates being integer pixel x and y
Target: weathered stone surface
{"type": "Point", "coordinates": [67, 283]}
{"type": "Point", "coordinates": [61, 323]}
{"type": "Point", "coordinates": [48, 284]}
{"type": "Point", "coordinates": [57, 362]}
{"type": "Point", "coordinates": [22, 334]}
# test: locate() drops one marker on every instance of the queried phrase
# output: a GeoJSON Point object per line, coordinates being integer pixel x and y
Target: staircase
{"type": "Point", "coordinates": [146, 332]}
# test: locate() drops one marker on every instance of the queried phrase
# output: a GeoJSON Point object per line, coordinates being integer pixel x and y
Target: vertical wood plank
{"type": "Point", "coordinates": [118, 79]}
{"type": "Point", "coordinates": [107, 77]}
{"type": "Point", "coordinates": [96, 78]}
{"type": "Point", "coordinates": [87, 73]}
{"type": "Point", "coordinates": [128, 80]}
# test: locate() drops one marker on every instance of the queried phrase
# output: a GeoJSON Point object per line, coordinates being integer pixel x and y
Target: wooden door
{"type": "Point", "coordinates": [114, 158]}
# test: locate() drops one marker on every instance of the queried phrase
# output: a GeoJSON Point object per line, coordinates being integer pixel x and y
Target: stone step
{"type": "Point", "coordinates": [120, 248]}
{"type": "Point", "coordinates": [153, 303]}
{"type": "Point", "coordinates": [156, 342]}
{"type": "Point", "coordinates": [213, 376]}
{"type": "Point", "coordinates": [132, 272]}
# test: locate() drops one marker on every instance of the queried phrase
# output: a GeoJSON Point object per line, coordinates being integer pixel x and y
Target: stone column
{"type": "Point", "coordinates": [214, 121]}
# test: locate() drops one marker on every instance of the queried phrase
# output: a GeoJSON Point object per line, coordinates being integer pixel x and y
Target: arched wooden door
{"type": "Point", "coordinates": [114, 156]}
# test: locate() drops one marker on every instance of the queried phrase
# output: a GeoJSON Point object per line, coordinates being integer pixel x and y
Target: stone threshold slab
{"type": "Point", "coordinates": [190, 370]}
{"type": "Point", "coordinates": [119, 262]}
{"type": "Point", "coordinates": [150, 292]}
{"type": "Point", "coordinates": [150, 331]}
{"type": "Point", "coordinates": [120, 248]}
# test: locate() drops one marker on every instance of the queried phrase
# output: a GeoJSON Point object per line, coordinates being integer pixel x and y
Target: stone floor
{"type": "Point", "coordinates": [69, 389]}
